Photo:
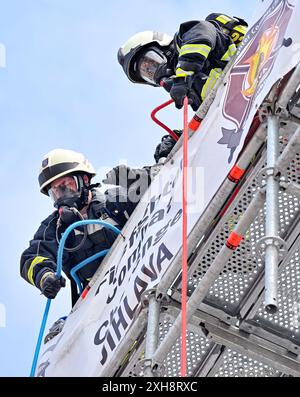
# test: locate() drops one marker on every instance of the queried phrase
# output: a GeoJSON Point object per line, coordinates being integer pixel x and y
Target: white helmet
{"type": "Point", "coordinates": [61, 162]}
{"type": "Point", "coordinates": [129, 53]}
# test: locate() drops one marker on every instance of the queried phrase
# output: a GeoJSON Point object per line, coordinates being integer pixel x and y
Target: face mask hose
{"type": "Point", "coordinates": [68, 216]}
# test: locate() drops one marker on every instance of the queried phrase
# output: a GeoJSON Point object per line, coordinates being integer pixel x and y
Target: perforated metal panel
{"type": "Point", "coordinates": [197, 346]}
{"type": "Point", "coordinates": [245, 265]}
{"type": "Point", "coordinates": [239, 279]}
{"type": "Point", "coordinates": [238, 365]}
{"type": "Point", "coordinates": [293, 171]}
{"type": "Point", "coordinates": [242, 268]}
{"type": "Point", "coordinates": [287, 320]}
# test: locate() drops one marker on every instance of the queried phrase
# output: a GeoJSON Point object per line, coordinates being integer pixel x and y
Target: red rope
{"type": "Point", "coordinates": [184, 242]}
{"type": "Point", "coordinates": [162, 125]}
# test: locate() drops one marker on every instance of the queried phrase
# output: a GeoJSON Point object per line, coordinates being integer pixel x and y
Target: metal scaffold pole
{"type": "Point", "coordinates": [152, 334]}
{"type": "Point", "coordinates": [211, 275]}
{"type": "Point", "coordinates": [272, 217]}
{"type": "Point", "coordinates": [214, 207]}
{"type": "Point", "coordinates": [289, 152]}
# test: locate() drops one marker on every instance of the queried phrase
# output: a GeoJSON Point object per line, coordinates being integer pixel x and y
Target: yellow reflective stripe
{"type": "Point", "coordinates": [36, 261]}
{"type": "Point", "coordinates": [223, 19]}
{"type": "Point", "coordinates": [195, 48]}
{"type": "Point", "coordinates": [178, 48]}
{"type": "Point", "coordinates": [210, 82]}
{"type": "Point", "coordinates": [183, 73]}
{"type": "Point", "coordinates": [202, 49]}
{"type": "Point", "coordinates": [240, 28]}
{"type": "Point", "coordinates": [230, 53]}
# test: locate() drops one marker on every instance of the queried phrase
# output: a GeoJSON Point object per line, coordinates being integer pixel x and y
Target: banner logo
{"type": "Point", "coordinates": [247, 79]}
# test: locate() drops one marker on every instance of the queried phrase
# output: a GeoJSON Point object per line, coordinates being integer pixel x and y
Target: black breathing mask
{"type": "Point", "coordinates": [70, 197]}
{"type": "Point", "coordinates": [163, 72]}
{"type": "Point", "coordinates": [77, 200]}
{"type": "Point", "coordinates": [70, 191]}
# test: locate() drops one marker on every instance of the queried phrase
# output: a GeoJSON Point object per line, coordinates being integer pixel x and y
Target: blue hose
{"type": "Point", "coordinates": [73, 273]}
{"type": "Point", "coordinates": [69, 230]}
{"type": "Point", "coordinates": [40, 339]}
{"type": "Point", "coordinates": [84, 263]}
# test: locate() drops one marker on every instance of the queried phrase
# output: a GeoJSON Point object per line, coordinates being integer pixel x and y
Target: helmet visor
{"type": "Point", "coordinates": [149, 64]}
{"type": "Point", "coordinates": [62, 188]}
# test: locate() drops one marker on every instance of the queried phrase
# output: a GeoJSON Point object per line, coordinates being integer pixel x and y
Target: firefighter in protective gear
{"type": "Point", "coordinates": [65, 176]}
{"type": "Point", "coordinates": [190, 63]}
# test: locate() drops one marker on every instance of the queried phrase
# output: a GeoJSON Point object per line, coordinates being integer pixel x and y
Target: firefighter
{"type": "Point", "coordinates": [188, 64]}
{"type": "Point", "coordinates": [65, 176]}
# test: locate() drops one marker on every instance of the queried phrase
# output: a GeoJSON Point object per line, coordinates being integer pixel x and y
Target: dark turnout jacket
{"type": "Point", "coordinates": [202, 48]}
{"type": "Point", "coordinates": [41, 255]}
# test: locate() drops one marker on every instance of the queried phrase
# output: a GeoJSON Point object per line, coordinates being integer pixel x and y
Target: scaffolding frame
{"type": "Point", "coordinates": [231, 334]}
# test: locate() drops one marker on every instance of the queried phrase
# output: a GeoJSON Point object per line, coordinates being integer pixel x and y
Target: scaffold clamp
{"type": "Point", "coordinates": [274, 241]}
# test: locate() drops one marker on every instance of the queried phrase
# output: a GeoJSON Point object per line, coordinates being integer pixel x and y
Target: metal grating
{"type": "Point", "coordinates": [197, 348]}
{"type": "Point", "coordinates": [288, 316]}
{"type": "Point", "coordinates": [293, 171]}
{"type": "Point", "coordinates": [239, 351]}
{"type": "Point", "coordinates": [236, 365]}
{"type": "Point", "coordinates": [197, 345]}
{"type": "Point", "coordinates": [237, 278]}
{"type": "Point", "coordinates": [245, 265]}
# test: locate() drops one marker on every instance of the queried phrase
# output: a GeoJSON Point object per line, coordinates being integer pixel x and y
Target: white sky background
{"type": "Point", "coordinates": [63, 87]}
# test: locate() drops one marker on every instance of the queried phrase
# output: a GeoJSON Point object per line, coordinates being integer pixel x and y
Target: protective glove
{"type": "Point", "coordinates": [50, 284]}
{"type": "Point", "coordinates": [68, 215]}
{"type": "Point", "coordinates": [166, 146]}
{"type": "Point", "coordinates": [167, 83]}
{"type": "Point", "coordinates": [118, 176]}
{"type": "Point", "coordinates": [179, 91]}
{"type": "Point", "coordinates": [194, 100]}
{"type": "Point", "coordinates": [125, 176]}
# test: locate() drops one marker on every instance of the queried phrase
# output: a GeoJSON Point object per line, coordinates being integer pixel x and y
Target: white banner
{"type": "Point", "coordinates": [153, 235]}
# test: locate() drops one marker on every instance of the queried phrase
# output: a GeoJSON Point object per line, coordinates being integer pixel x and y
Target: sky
{"type": "Point", "coordinates": [62, 87]}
